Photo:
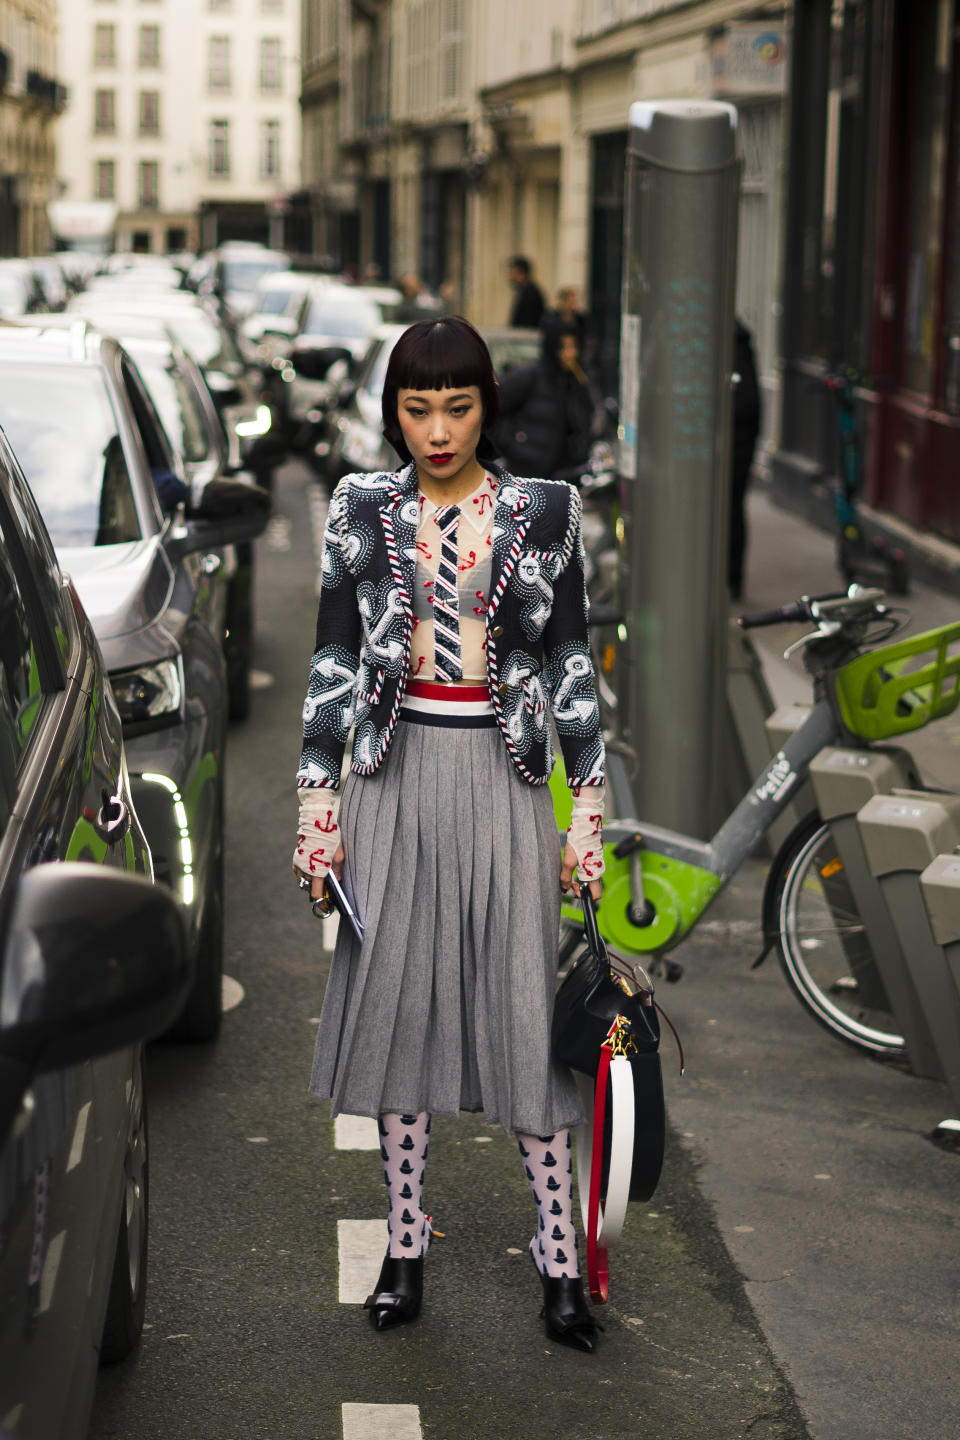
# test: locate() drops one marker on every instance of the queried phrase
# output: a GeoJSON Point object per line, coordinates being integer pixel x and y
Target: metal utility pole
{"type": "Point", "coordinates": [676, 359]}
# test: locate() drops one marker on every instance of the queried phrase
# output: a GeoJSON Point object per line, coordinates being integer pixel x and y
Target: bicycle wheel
{"type": "Point", "coordinates": [823, 945]}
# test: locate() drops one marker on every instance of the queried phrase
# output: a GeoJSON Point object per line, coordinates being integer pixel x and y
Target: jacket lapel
{"type": "Point", "coordinates": [510, 526]}
{"type": "Point", "coordinates": [399, 512]}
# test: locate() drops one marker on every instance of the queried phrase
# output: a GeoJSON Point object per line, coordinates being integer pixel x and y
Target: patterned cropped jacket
{"type": "Point", "coordinates": [536, 628]}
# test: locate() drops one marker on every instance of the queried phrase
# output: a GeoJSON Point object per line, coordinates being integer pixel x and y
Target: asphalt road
{"type": "Point", "coordinates": [246, 1335]}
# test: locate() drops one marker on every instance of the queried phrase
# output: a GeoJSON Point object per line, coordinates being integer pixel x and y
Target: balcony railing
{"type": "Point", "coordinates": [47, 90]}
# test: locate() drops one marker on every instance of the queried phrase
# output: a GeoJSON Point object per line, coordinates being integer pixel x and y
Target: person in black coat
{"type": "Point", "coordinates": [528, 302]}
{"type": "Point", "coordinates": [746, 427]}
{"type": "Point", "coordinates": [547, 409]}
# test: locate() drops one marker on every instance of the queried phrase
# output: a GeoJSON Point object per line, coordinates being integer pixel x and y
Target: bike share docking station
{"type": "Point", "coordinates": [940, 887]}
{"type": "Point", "coordinates": [904, 833]}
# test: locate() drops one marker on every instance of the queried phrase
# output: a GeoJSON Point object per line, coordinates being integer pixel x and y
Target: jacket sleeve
{"type": "Point", "coordinates": [568, 668]}
{"type": "Point", "coordinates": [329, 706]}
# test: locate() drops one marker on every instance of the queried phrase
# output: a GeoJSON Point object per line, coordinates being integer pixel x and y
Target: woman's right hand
{"type": "Point", "coordinates": [317, 881]}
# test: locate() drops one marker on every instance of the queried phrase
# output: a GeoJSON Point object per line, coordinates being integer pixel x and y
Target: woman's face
{"type": "Point", "coordinates": [442, 428]}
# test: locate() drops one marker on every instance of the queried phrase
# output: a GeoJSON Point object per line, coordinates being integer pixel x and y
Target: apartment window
{"type": "Point", "coordinates": [149, 112]}
{"type": "Point", "coordinates": [219, 147]}
{"type": "Point", "coordinates": [271, 65]}
{"type": "Point", "coordinates": [269, 149]}
{"type": "Point", "coordinates": [148, 50]}
{"type": "Point", "coordinates": [218, 63]}
{"type": "Point", "coordinates": [104, 180]}
{"type": "Point", "coordinates": [148, 184]}
{"type": "Point", "coordinates": [104, 44]}
{"type": "Point", "coordinates": [104, 112]}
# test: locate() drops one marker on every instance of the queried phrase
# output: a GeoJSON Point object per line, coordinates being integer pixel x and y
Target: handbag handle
{"type": "Point", "coordinates": [595, 940]}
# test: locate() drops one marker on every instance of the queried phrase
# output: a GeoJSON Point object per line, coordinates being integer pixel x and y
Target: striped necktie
{"type": "Point", "coordinates": [448, 663]}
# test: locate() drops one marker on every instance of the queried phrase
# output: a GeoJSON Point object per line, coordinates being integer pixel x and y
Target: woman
{"type": "Point", "coordinates": [452, 610]}
{"type": "Point", "coordinates": [547, 408]}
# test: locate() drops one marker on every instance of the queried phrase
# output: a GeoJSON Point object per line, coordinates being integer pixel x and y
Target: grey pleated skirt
{"type": "Point", "coordinates": [452, 862]}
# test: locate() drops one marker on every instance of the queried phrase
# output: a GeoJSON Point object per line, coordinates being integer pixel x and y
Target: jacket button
{"type": "Point", "coordinates": [497, 631]}
{"type": "Point", "coordinates": [501, 688]}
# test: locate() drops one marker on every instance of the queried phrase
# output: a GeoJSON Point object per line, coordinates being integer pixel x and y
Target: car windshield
{"type": "Point", "coordinates": [342, 320]}
{"type": "Point", "coordinates": [176, 401]}
{"type": "Point", "coordinates": [11, 289]}
{"type": "Point", "coordinates": [506, 352]}
{"type": "Point", "coordinates": [275, 300]}
{"type": "Point", "coordinates": [242, 275]}
{"type": "Point", "coordinates": [210, 344]}
{"type": "Point", "coordinates": [62, 426]}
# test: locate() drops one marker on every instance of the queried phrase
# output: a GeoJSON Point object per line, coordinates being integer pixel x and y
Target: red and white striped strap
{"type": "Point", "coordinates": [604, 1214]}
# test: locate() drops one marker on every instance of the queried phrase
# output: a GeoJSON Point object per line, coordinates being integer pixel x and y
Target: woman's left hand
{"type": "Point", "coordinates": [568, 878]}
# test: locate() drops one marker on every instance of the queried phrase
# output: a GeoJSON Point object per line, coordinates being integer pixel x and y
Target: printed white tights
{"type": "Point", "coordinates": [548, 1166]}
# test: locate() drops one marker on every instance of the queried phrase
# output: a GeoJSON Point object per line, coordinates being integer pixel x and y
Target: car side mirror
{"type": "Point", "coordinates": [94, 960]}
{"type": "Point", "coordinates": [227, 513]}
{"type": "Point", "coordinates": [313, 363]}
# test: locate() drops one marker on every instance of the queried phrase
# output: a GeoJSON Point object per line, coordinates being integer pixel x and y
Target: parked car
{"type": "Point", "coordinates": [232, 271]}
{"type": "Point", "coordinates": [21, 292]}
{"type": "Point", "coordinates": [102, 469]}
{"type": "Point", "coordinates": [340, 317]}
{"type": "Point", "coordinates": [194, 427]}
{"type": "Point", "coordinates": [93, 960]}
{"type": "Point", "coordinates": [353, 438]}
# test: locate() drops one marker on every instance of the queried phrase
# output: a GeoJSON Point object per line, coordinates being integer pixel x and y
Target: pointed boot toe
{"type": "Point", "coordinates": [398, 1294]}
{"type": "Point", "coordinates": [565, 1313]}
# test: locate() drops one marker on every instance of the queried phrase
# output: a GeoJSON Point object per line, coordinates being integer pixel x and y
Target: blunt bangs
{"type": "Point", "coordinates": [442, 354]}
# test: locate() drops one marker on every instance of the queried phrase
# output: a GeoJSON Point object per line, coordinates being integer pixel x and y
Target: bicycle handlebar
{"type": "Point", "coordinates": [796, 610]}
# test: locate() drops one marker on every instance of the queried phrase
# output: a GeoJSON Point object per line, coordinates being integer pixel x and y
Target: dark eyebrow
{"type": "Point", "coordinates": [420, 398]}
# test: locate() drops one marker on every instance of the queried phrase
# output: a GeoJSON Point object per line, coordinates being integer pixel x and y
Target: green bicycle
{"type": "Point", "coordinates": [659, 883]}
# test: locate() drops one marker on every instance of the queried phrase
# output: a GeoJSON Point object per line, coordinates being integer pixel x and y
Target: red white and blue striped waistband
{"type": "Point", "coordinates": [463, 706]}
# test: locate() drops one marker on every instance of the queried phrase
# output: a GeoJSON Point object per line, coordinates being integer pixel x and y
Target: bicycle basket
{"type": "Point", "coordinates": [901, 687]}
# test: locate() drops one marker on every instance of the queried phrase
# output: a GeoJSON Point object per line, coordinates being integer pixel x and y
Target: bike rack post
{"type": "Point", "coordinates": [902, 834]}
{"type": "Point", "coordinates": [844, 780]}
{"type": "Point", "coordinates": [676, 361]}
{"type": "Point", "coordinates": [940, 884]}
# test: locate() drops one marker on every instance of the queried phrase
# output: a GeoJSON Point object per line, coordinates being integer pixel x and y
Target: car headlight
{"type": "Point", "coordinates": [150, 695]}
{"type": "Point", "coordinates": [258, 426]}
{"type": "Point", "coordinates": [363, 447]}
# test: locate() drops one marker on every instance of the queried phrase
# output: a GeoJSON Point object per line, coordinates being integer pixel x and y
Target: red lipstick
{"type": "Point", "coordinates": [440, 459]}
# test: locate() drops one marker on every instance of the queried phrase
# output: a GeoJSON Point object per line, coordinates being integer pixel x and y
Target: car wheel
{"type": "Point", "coordinates": [128, 1284]}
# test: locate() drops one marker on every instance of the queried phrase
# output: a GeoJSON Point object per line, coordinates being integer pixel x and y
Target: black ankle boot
{"type": "Point", "coordinates": [565, 1311]}
{"type": "Point", "coordinates": [398, 1295]}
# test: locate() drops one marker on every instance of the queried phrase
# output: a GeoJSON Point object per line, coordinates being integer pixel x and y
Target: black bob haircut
{"type": "Point", "coordinates": [440, 354]}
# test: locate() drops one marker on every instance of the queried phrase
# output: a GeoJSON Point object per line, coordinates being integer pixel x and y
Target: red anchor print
{"type": "Point", "coordinates": [422, 547]}
{"type": "Point", "coordinates": [469, 562]}
{"type": "Point", "coordinates": [330, 826]}
{"type": "Point", "coordinates": [421, 660]}
{"type": "Point", "coordinates": [482, 502]}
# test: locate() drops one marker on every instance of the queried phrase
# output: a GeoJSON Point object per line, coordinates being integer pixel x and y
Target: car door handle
{"type": "Point", "coordinates": [210, 564]}
{"type": "Point", "coordinates": [113, 819]}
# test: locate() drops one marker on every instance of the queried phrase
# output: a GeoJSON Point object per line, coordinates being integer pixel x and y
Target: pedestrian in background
{"type": "Point", "coordinates": [746, 428]}
{"type": "Point", "coordinates": [455, 595]}
{"type": "Point", "coordinates": [568, 310]}
{"type": "Point", "coordinates": [411, 307]}
{"type": "Point", "coordinates": [547, 409]}
{"type": "Point", "coordinates": [528, 305]}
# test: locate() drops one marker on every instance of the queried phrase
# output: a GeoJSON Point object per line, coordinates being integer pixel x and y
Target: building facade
{"type": "Point", "coordinates": [32, 96]}
{"type": "Point", "coordinates": [443, 136]}
{"type": "Point", "coordinates": [873, 264]}
{"type": "Point", "coordinates": [184, 114]}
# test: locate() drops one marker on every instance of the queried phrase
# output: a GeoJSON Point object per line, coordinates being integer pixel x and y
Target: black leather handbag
{"type": "Point", "coordinates": [588, 1003]}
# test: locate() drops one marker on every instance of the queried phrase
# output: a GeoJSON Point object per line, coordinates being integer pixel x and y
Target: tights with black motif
{"type": "Point", "coordinates": [548, 1166]}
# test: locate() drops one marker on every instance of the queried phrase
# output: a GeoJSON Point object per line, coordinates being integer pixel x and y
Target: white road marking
{"type": "Point", "coordinates": [361, 1246]}
{"type": "Point", "coordinates": [356, 1132]}
{"type": "Point", "coordinates": [232, 992]}
{"type": "Point", "coordinates": [260, 679]}
{"type": "Point", "coordinates": [381, 1422]}
{"type": "Point", "coordinates": [278, 533]}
